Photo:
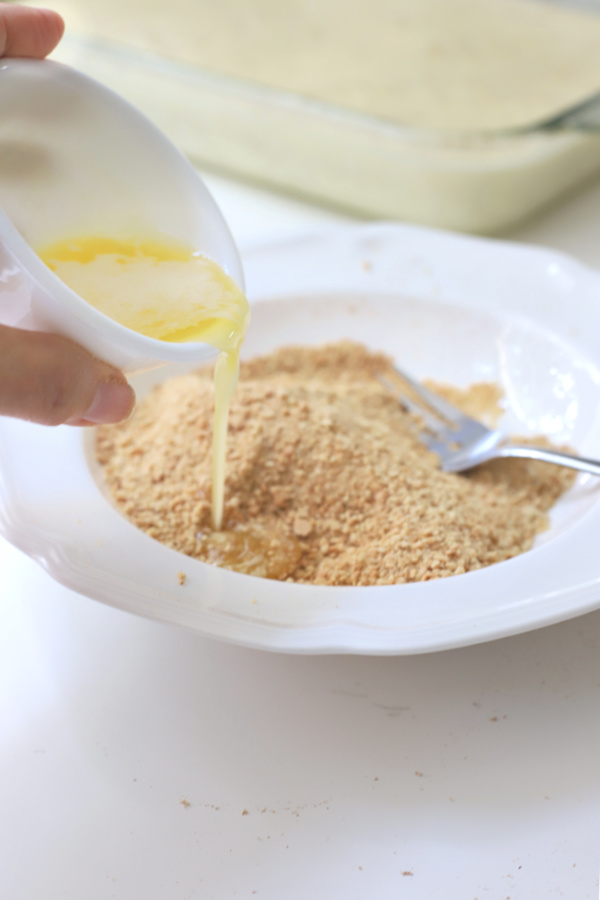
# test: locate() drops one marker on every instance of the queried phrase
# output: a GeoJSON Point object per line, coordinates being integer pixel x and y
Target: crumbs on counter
{"type": "Point", "coordinates": [327, 482]}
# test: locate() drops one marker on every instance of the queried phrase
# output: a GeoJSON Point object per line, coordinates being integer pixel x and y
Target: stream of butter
{"type": "Point", "coordinates": [167, 291]}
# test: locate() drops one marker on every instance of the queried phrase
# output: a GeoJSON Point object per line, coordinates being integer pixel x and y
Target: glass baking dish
{"type": "Point", "coordinates": [477, 179]}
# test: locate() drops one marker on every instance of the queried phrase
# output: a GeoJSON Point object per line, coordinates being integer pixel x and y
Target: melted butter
{"type": "Point", "coordinates": [253, 550]}
{"type": "Point", "coordinates": [161, 289]}
{"type": "Point", "coordinates": [166, 291]}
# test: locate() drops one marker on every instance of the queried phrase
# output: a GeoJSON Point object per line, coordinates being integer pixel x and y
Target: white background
{"type": "Point", "coordinates": [141, 761]}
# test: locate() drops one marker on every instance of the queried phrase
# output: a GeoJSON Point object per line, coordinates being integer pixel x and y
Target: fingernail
{"type": "Point", "coordinates": [113, 402]}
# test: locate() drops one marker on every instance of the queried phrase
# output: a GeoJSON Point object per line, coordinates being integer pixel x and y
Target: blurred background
{"type": "Point", "coordinates": [465, 114]}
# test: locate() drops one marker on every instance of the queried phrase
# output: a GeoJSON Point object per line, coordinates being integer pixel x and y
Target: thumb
{"type": "Point", "coordinates": [26, 31]}
{"type": "Point", "coordinates": [48, 379]}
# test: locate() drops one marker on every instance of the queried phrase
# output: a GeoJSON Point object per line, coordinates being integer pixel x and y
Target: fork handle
{"type": "Point", "coordinates": [551, 456]}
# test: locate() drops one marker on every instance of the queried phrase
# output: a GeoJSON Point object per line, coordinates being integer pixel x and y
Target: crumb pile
{"type": "Point", "coordinates": [327, 482]}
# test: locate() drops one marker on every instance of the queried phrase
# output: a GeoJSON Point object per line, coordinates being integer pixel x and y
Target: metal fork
{"type": "Point", "coordinates": [462, 442]}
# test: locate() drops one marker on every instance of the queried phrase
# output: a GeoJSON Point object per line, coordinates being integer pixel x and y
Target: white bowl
{"type": "Point", "coordinates": [454, 308]}
{"type": "Point", "coordinates": [75, 158]}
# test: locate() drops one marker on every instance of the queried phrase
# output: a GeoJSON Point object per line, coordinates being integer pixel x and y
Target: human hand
{"type": "Point", "coordinates": [46, 378]}
{"type": "Point", "coordinates": [49, 379]}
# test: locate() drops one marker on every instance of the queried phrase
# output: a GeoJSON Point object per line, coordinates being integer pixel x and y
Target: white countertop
{"type": "Point", "coordinates": [142, 761]}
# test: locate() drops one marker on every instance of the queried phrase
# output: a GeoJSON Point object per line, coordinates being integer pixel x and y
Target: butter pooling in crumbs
{"type": "Point", "coordinates": [327, 482]}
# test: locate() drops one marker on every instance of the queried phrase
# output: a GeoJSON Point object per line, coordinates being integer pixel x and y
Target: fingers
{"type": "Point", "coordinates": [48, 379]}
{"type": "Point", "coordinates": [25, 31]}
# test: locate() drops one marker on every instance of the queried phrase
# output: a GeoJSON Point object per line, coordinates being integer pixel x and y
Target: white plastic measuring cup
{"type": "Point", "coordinates": [77, 159]}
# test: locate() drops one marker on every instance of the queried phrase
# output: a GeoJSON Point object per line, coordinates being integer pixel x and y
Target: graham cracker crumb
{"type": "Point", "coordinates": [327, 482]}
{"type": "Point", "coordinates": [302, 527]}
